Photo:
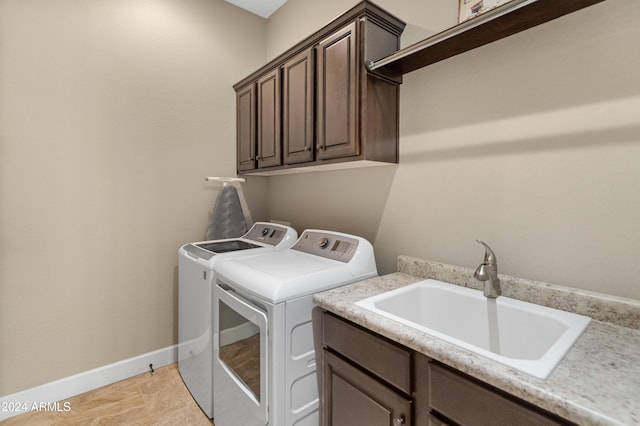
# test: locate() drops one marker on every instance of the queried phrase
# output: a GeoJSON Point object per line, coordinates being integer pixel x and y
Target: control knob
{"type": "Point", "coordinates": [324, 243]}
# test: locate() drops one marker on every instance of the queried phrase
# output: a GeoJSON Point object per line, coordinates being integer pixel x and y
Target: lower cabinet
{"type": "Point", "coordinates": [466, 401]}
{"type": "Point", "coordinates": [352, 397]}
{"type": "Point", "coordinates": [367, 379]}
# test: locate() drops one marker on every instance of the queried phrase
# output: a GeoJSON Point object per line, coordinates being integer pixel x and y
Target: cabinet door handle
{"type": "Point", "coordinates": [320, 147]}
{"type": "Point", "coordinates": [398, 421]}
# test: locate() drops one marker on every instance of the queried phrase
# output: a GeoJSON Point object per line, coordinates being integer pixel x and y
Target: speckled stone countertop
{"type": "Point", "coordinates": [598, 381]}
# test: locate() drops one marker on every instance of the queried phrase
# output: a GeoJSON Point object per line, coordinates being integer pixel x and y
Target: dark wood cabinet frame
{"type": "Point", "coordinates": [317, 105]}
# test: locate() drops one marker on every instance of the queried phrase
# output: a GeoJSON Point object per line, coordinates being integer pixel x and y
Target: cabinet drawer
{"type": "Point", "coordinates": [381, 357]}
{"type": "Point", "coordinates": [467, 402]}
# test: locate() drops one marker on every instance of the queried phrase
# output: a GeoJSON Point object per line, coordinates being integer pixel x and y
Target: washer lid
{"type": "Point", "coordinates": [226, 246]}
{"type": "Point", "coordinates": [207, 250]}
{"type": "Point", "coordinates": [263, 236]}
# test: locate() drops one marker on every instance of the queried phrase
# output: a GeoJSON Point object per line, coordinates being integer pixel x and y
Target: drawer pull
{"type": "Point", "coordinates": [398, 421]}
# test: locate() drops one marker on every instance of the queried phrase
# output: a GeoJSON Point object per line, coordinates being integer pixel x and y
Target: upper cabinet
{"type": "Point", "coordinates": [246, 127]}
{"type": "Point", "coordinates": [268, 120]}
{"type": "Point", "coordinates": [317, 106]}
{"type": "Point", "coordinates": [337, 110]}
{"type": "Point", "coordinates": [298, 108]}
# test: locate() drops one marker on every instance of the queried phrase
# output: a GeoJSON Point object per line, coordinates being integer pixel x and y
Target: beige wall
{"type": "Point", "coordinates": [298, 19]}
{"type": "Point", "coordinates": [111, 114]}
{"type": "Point", "coordinates": [531, 144]}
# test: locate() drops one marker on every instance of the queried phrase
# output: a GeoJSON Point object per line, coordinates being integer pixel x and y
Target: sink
{"type": "Point", "coordinates": [527, 337]}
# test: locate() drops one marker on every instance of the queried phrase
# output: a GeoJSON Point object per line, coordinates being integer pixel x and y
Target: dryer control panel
{"type": "Point", "coordinates": [332, 246]}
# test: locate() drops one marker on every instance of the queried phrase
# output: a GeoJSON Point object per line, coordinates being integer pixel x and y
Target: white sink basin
{"type": "Point", "coordinates": [528, 337]}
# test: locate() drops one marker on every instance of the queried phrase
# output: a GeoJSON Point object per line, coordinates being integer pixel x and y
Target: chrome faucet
{"type": "Point", "coordinates": [487, 272]}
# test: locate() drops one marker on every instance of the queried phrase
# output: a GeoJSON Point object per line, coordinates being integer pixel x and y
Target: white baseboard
{"type": "Point", "coordinates": [19, 402]}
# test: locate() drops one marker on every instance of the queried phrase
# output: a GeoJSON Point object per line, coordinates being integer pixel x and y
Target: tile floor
{"type": "Point", "coordinates": [147, 399]}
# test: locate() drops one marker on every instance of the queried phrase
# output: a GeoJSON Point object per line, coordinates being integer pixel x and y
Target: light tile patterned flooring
{"type": "Point", "coordinates": [160, 398]}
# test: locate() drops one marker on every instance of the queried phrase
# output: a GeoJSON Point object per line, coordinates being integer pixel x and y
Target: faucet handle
{"type": "Point", "coordinates": [489, 255]}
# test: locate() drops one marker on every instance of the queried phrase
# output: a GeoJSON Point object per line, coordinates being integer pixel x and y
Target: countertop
{"type": "Point", "coordinates": [597, 383]}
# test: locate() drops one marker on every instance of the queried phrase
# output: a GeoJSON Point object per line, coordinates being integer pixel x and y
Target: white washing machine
{"type": "Point", "coordinates": [264, 359]}
{"type": "Point", "coordinates": [196, 276]}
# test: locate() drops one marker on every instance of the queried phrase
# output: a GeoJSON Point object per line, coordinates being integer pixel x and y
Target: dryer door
{"type": "Point", "coordinates": [240, 379]}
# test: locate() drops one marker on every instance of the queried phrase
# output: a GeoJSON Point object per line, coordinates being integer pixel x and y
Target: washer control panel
{"type": "Point", "coordinates": [267, 233]}
{"type": "Point", "coordinates": [332, 246]}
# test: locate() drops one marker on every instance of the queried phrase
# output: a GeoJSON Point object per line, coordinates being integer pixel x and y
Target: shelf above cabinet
{"type": "Point", "coordinates": [510, 18]}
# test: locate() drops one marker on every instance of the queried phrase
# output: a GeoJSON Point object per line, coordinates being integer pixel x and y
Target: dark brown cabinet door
{"type": "Point", "coordinates": [246, 127]}
{"type": "Point", "coordinates": [297, 108]}
{"type": "Point", "coordinates": [352, 397]}
{"type": "Point", "coordinates": [269, 153]}
{"type": "Point", "coordinates": [337, 98]}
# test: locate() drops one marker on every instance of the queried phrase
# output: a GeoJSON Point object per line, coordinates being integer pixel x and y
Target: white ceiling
{"type": "Point", "coordinates": [262, 8]}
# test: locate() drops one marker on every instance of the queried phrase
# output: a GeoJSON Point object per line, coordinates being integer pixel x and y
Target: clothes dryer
{"type": "Point", "coordinates": [264, 359]}
{"type": "Point", "coordinates": [196, 276]}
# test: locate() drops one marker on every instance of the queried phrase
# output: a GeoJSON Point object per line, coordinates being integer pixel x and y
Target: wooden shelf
{"type": "Point", "coordinates": [508, 19]}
